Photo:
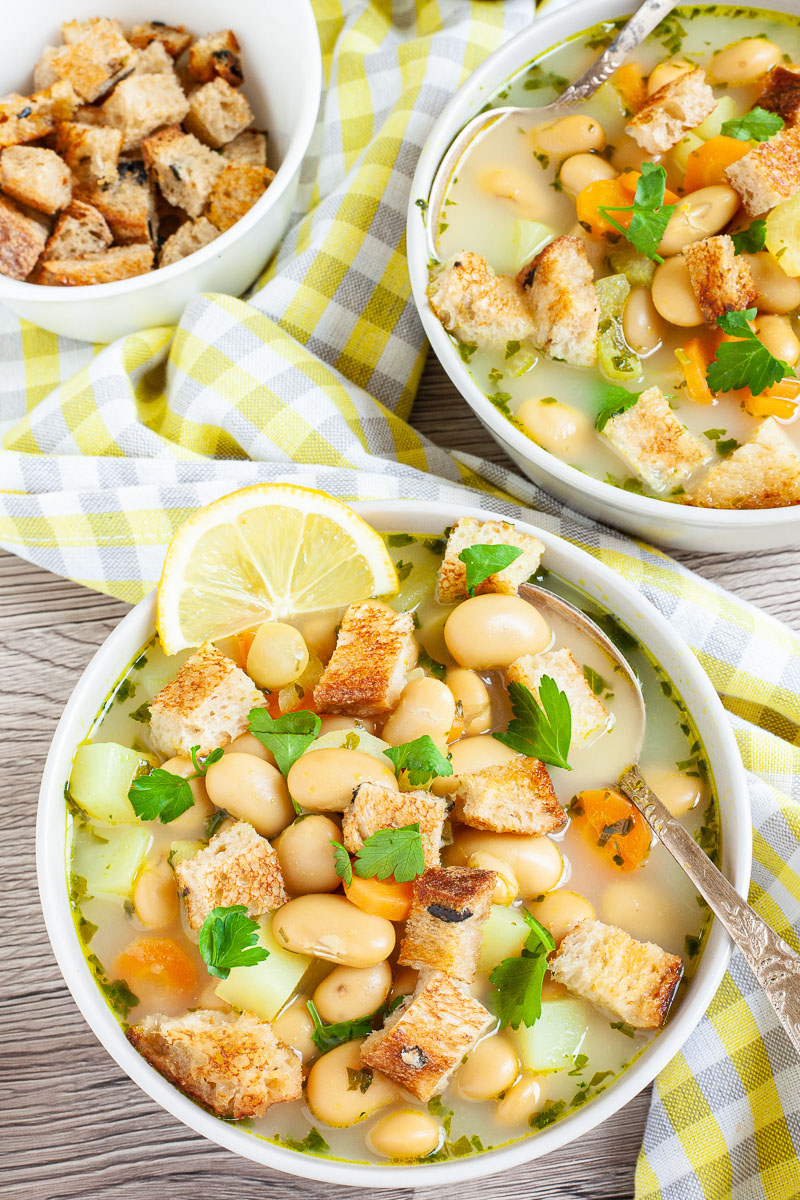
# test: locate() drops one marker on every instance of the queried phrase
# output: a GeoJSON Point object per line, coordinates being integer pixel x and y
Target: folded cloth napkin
{"type": "Point", "coordinates": [107, 450]}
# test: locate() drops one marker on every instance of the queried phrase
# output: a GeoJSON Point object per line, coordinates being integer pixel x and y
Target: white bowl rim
{"type": "Point", "coordinates": [19, 289]}
{"type": "Point", "coordinates": [578, 566]}
{"type": "Point", "coordinates": [570, 20]}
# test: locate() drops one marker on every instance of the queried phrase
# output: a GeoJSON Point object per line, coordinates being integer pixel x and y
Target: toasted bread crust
{"type": "Point", "coordinates": [769, 173]}
{"type": "Point", "coordinates": [563, 301]}
{"type": "Point", "coordinates": [237, 866]}
{"type": "Point", "coordinates": [174, 38]}
{"type": "Point", "coordinates": [515, 797]}
{"type": "Point", "coordinates": [96, 60]}
{"type": "Point", "coordinates": [375, 807]}
{"type": "Point", "coordinates": [79, 230]}
{"type": "Point", "coordinates": [588, 713]}
{"type": "Point", "coordinates": [22, 241]}
{"type": "Point", "coordinates": [118, 262]}
{"type": "Point", "coordinates": [183, 167]}
{"type": "Point", "coordinates": [217, 54]}
{"type": "Point", "coordinates": [90, 151]}
{"type": "Point", "coordinates": [444, 927]}
{"type": "Point", "coordinates": [26, 118]}
{"type": "Point", "coordinates": [720, 278]}
{"type": "Point", "coordinates": [218, 113]}
{"type": "Point", "coordinates": [764, 472]}
{"type": "Point", "coordinates": [451, 580]}
{"type": "Point", "coordinates": [128, 204]}
{"type": "Point", "coordinates": [188, 237]}
{"type": "Point", "coordinates": [781, 93]}
{"type": "Point", "coordinates": [656, 445]}
{"type": "Point", "coordinates": [375, 648]}
{"type": "Point", "coordinates": [237, 189]}
{"type": "Point", "coordinates": [36, 177]}
{"type": "Point", "coordinates": [475, 305]}
{"type": "Point", "coordinates": [678, 106]}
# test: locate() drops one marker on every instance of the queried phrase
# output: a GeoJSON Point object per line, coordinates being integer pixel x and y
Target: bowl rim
{"type": "Point", "coordinates": [529, 44]}
{"type": "Point", "coordinates": [611, 589]}
{"type": "Point", "coordinates": [20, 289]}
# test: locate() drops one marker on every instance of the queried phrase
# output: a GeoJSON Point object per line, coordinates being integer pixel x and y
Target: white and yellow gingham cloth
{"type": "Point", "coordinates": [107, 450]}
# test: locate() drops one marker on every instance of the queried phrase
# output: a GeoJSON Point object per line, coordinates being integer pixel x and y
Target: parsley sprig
{"type": "Point", "coordinates": [519, 979]}
{"type": "Point", "coordinates": [341, 862]}
{"type": "Point", "coordinates": [615, 400]}
{"type": "Point", "coordinates": [758, 125]}
{"type": "Point", "coordinates": [328, 1037]}
{"type": "Point", "coordinates": [165, 795]}
{"type": "Point", "coordinates": [419, 761]}
{"type": "Point", "coordinates": [752, 239]}
{"type": "Point", "coordinates": [542, 730]}
{"type": "Point", "coordinates": [396, 852]}
{"type": "Point", "coordinates": [287, 737]}
{"type": "Point", "coordinates": [482, 561]}
{"type": "Point", "coordinates": [746, 363]}
{"type": "Point", "coordinates": [650, 214]}
{"type": "Point", "coordinates": [229, 938]}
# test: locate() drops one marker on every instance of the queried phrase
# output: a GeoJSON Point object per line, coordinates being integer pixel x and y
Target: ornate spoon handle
{"type": "Point", "coordinates": [643, 21]}
{"type": "Point", "coordinates": [774, 964]}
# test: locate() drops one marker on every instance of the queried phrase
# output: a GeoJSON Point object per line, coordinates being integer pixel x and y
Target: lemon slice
{"type": "Point", "coordinates": [266, 553]}
{"type": "Point", "coordinates": [783, 235]}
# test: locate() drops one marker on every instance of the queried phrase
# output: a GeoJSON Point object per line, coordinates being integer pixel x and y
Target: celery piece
{"type": "Point", "coordinates": [625, 259]}
{"type": "Point", "coordinates": [265, 987]}
{"type": "Point", "coordinates": [520, 363]}
{"type": "Point", "coordinates": [109, 857]}
{"type": "Point", "coordinates": [681, 152]}
{"type": "Point", "coordinates": [527, 239]}
{"type": "Point", "coordinates": [504, 935]}
{"type": "Point", "coordinates": [615, 358]}
{"type": "Point", "coordinates": [102, 774]}
{"type": "Point", "coordinates": [352, 739]}
{"type": "Point", "coordinates": [180, 851]}
{"type": "Point", "coordinates": [553, 1041]}
{"type": "Point", "coordinates": [726, 109]}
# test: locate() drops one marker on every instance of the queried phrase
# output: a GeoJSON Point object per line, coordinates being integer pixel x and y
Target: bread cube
{"type": "Point", "coordinates": [451, 580]}
{"type": "Point", "coordinates": [720, 278]}
{"type": "Point", "coordinates": [764, 472]}
{"type": "Point", "coordinates": [91, 152]}
{"type": "Point", "coordinates": [238, 188]}
{"type": "Point", "coordinates": [217, 113]}
{"type": "Point", "coordinates": [678, 106]}
{"type": "Point", "coordinates": [588, 714]}
{"type": "Point", "coordinates": [127, 205]}
{"type": "Point", "coordinates": [425, 1039]}
{"type": "Point", "coordinates": [375, 807]}
{"type": "Point", "coordinates": [375, 649]}
{"type": "Point", "coordinates": [230, 1062]}
{"type": "Point", "coordinates": [237, 866]}
{"type": "Point", "coordinates": [769, 173]}
{"type": "Point", "coordinates": [217, 54]}
{"type": "Point", "coordinates": [43, 74]}
{"type": "Point", "coordinates": [207, 705]}
{"type": "Point", "coordinates": [141, 104]}
{"type": "Point", "coordinates": [98, 57]}
{"type": "Point", "coordinates": [36, 177]}
{"type": "Point", "coordinates": [781, 93]}
{"type": "Point", "coordinates": [190, 236]}
{"type": "Point", "coordinates": [477, 306]}
{"type": "Point", "coordinates": [74, 31]}
{"type": "Point", "coordinates": [184, 169]}
{"type": "Point", "coordinates": [80, 230]}
{"type": "Point", "coordinates": [515, 797]}
{"type": "Point", "coordinates": [655, 444]}
{"type": "Point", "coordinates": [155, 59]}
{"type": "Point", "coordinates": [563, 302]}
{"type": "Point", "coordinates": [27, 118]}
{"type": "Point", "coordinates": [22, 241]}
{"type": "Point", "coordinates": [173, 38]}
{"type": "Point", "coordinates": [635, 981]}
{"type": "Point", "coordinates": [118, 262]}
{"type": "Point", "coordinates": [248, 147]}
{"type": "Point", "coordinates": [444, 927]}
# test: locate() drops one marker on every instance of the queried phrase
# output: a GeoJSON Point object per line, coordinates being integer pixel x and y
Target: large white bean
{"type": "Point", "coordinates": [248, 743]}
{"type": "Point", "coordinates": [305, 855]}
{"type": "Point", "coordinates": [558, 427]}
{"type": "Point", "coordinates": [492, 630]}
{"type": "Point", "coordinates": [472, 694]}
{"type": "Point", "coordinates": [330, 722]}
{"type": "Point", "coordinates": [250, 790]}
{"type": "Point", "coordinates": [278, 655]}
{"type": "Point", "coordinates": [472, 754]}
{"type": "Point", "coordinates": [560, 911]}
{"type": "Point", "coordinates": [331, 1095]}
{"type": "Point", "coordinates": [641, 323]}
{"type": "Point", "coordinates": [666, 72]}
{"type": "Point", "coordinates": [777, 291]}
{"type": "Point", "coordinates": [520, 1101]}
{"type": "Point", "coordinates": [426, 706]}
{"type": "Point", "coordinates": [155, 896]}
{"type": "Point", "coordinates": [578, 171]}
{"type": "Point", "coordinates": [744, 61]}
{"type": "Point", "coordinates": [574, 134]}
{"type": "Point", "coordinates": [324, 780]}
{"type": "Point", "coordinates": [535, 861]}
{"type": "Point", "coordinates": [673, 295]}
{"type": "Point", "coordinates": [405, 1135]}
{"type": "Point", "coordinates": [352, 992]}
{"type": "Point", "coordinates": [319, 633]}
{"type": "Point", "coordinates": [332, 928]}
{"type": "Point", "coordinates": [295, 1026]}
{"type": "Point", "coordinates": [490, 1069]}
{"type": "Point", "coordinates": [779, 337]}
{"type": "Point", "coordinates": [697, 216]}
{"type": "Point", "coordinates": [192, 823]}
{"type": "Point", "coordinates": [681, 793]}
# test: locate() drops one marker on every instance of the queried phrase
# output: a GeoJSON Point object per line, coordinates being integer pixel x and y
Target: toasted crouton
{"type": "Point", "coordinates": [588, 714]}
{"type": "Point", "coordinates": [141, 104]}
{"type": "Point", "coordinates": [635, 981]}
{"type": "Point", "coordinates": [562, 298]}
{"type": "Point", "coordinates": [451, 580]}
{"type": "Point", "coordinates": [79, 230]}
{"type": "Point", "coordinates": [90, 151]}
{"type": "Point", "coordinates": [654, 443]}
{"type": "Point", "coordinates": [128, 205]}
{"type": "Point", "coordinates": [73, 31]}
{"type": "Point", "coordinates": [22, 241]}
{"type": "Point", "coordinates": [248, 147]}
{"type": "Point", "coordinates": [764, 472]}
{"type": "Point", "coordinates": [173, 38]}
{"type": "Point", "coordinates": [97, 59]}
{"type": "Point", "coordinates": [231, 1062]}
{"type": "Point", "coordinates": [184, 168]}
{"type": "Point", "coordinates": [237, 866]}
{"type": "Point", "coordinates": [375, 807]}
{"type": "Point", "coordinates": [36, 177]}
{"type": "Point", "coordinates": [769, 173]}
{"type": "Point", "coordinates": [118, 262]}
{"type": "Point", "coordinates": [217, 54]}
{"type": "Point", "coordinates": [155, 59]}
{"type": "Point", "coordinates": [375, 648]}
{"type": "Point", "coordinates": [236, 191]}
{"type": "Point", "coordinates": [720, 278]}
{"type": "Point", "coordinates": [678, 106]}
{"type": "Point", "coordinates": [43, 74]}
{"type": "Point", "coordinates": [443, 929]}
{"type": "Point", "coordinates": [781, 93]}
{"type": "Point", "coordinates": [26, 118]}
{"type": "Point", "coordinates": [206, 705]}
{"type": "Point", "coordinates": [188, 237]}
{"type": "Point", "coordinates": [422, 1042]}
{"type": "Point", "coordinates": [477, 306]}
{"type": "Point", "coordinates": [218, 113]}
{"type": "Point", "coordinates": [515, 797]}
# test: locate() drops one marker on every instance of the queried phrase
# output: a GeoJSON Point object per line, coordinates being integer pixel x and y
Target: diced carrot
{"type": "Point", "coordinates": [706, 165]}
{"type": "Point", "coordinates": [603, 193]}
{"type": "Point", "coordinates": [381, 897]}
{"type": "Point", "coordinates": [158, 971]}
{"type": "Point", "coordinates": [612, 823]}
{"type": "Point", "coordinates": [694, 358]}
{"type": "Point", "coordinates": [243, 643]}
{"type": "Point", "coordinates": [629, 82]}
{"type": "Point", "coordinates": [780, 400]}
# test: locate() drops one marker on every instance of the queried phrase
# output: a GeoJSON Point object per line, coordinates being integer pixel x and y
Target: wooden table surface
{"type": "Point", "coordinates": [74, 1125]}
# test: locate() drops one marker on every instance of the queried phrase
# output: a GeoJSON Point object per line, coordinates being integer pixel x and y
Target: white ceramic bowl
{"type": "Point", "coordinates": [600, 584]}
{"type": "Point", "coordinates": [283, 80]}
{"type": "Point", "coordinates": [656, 520]}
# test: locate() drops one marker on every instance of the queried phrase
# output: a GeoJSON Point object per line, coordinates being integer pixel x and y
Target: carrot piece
{"type": "Point", "coordinates": [609, 820]}
{"type": "Point", "coordinates": [778, 401]}
{"type": "Point", "coordinates": [602, 193]}
{"type": "Point", "coordinates": [158, 971]}
{"type": "Point", "coordinates": [629, 82]}
{"type": "Point", "coordinates": [707, 164]}
{"type": "Point", "coordinates": [243, 643]}
{"type": "Point", "coordinates": [381, 897]}
{"type": "Point", "coordinates": [694, 359]}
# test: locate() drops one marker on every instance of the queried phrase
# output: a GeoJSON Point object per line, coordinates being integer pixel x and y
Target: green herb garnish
{"type": "Point", "coordinates": [616, 400]}
{"type": "Point", "coordinates": [341, 862]}
{"type": "Point", "coordinates": [482, 561]}
{"type": "Point", "coordinates": [519, 979]}
{"type": "Point", "coordinates": [746, 363]}
{"type": "Point", "coordinates": [328, 1037]}
{"type": "Point", "coordinates": [542, 730]}
{"type": "Point", "coordinates": [758, 125]}
{"type": "Point", "coordinates": [164, 795]}
{"type": "Point", "coordinates": [650, 214]}
{"type": "Point", "coordinates": [229, 938]}
{"type": "Point", "coordinates": [752, 239]}
{"type": "Point", "coordinates": [437, 669]}
{"type": "Point", "coordinates": [466, 350]}
{"type": "Point", "coordinates": [396, 852]}
{"type": "Point", "coordinates": [313, 1142]}
{"type": "Point", "coordinates": [422, 760]}
{"type": "Point", "coordinates": [287, 737]}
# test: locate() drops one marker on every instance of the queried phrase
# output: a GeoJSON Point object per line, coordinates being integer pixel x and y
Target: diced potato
{"type": "Point", "coordinates": [102, 774]}
{"type": "Point", "coordinates": [782, 240]}
{"type": "Point", "coordinates": [681, 152]}
{"type": "Point", "coordinates": [527, 239]}
{"type": "Point", "coordinates": [504, 935]}
{"type": "Point", "coordinates": [180, 851]}
{"type": "Point", "coordinates": [553, 1041]}
{"type": "Point", "coordinates": [352, 739]}
{"type": "Point", "coordinates": [265, 987]}
{"type": "Point", "coordinates": [726, 110]}
{"type": "Point", "coordinates": [109, 858]}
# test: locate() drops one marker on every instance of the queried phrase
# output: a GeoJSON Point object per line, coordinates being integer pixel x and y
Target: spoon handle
{"type": "Point", "coordinates": [774, 964]}
{"type": "Point", "coordinates": [643, 21]}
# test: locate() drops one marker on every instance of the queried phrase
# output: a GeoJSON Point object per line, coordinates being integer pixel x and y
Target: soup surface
{"type": "Point", "coordinates": [514, 1081]}
{"type": "Point", "coordinates": [528, 181]}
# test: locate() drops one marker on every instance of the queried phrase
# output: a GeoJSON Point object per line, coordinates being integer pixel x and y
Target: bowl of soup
{"type": "Point", "coordinates": [591, 269]}
{"type": "Point", "coordinates": [119, 893]}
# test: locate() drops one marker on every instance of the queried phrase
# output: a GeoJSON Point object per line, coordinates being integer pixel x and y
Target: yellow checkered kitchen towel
{"type": "Point", "coordinates": [107, 450]}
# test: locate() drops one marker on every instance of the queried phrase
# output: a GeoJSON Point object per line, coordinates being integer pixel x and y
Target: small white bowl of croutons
{"type": "Point", "coordinates": [142, 162]}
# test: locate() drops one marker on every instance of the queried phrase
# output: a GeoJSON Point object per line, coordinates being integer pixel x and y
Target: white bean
{"type": "Point", "coordinates": [492, 630]}
{"type": "Point", "coordinates": [331, 1095]}
{"type": "Point", "coordinates": [332, 928]}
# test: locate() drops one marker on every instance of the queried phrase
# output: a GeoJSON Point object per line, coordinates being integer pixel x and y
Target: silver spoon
{"type": "Point", "coordinates": [643, 22]}
{"type": "Point", "coordinates": [774, 964]}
